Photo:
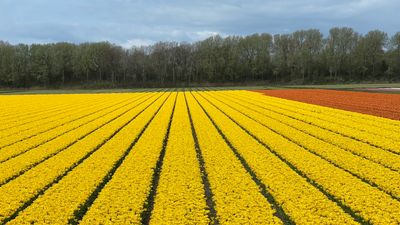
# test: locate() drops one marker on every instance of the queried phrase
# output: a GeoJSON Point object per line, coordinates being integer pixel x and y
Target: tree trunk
{"type": "Point", "coordinates": [63, 77]}
{"type": "Point", "coordinates": [100, 75]}
{"type": "Point", "coordinates": [143, 75]}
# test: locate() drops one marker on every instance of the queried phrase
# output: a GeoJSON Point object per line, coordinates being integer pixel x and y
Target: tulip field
{"type": "Point", "coordinates": [378, 104]}
{"type": "Point", "coordinates": [194, 157]}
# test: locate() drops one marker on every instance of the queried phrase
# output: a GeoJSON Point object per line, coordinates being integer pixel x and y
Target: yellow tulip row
{"type": "Point", "coordinates": [38, 104]}
{"type": "Point", "coordinates": [17, 192]}
{"type": "Point", "coordinates": [41, 127]}
{"type": "Point", "coordinates": [22, 109]}
{"type": "Point", "coordinates": [323, 116]}
{"type": "Point", "coordinates": [66, 133]}
{"type": "Point", "coordinates": [61, 202]}
{"type": "Point", "coordinates": [363, 199]}
{"type": "Point", "coordinates": [364, 119]}
{"type": "Point", "coordinates": [385, 178]}
{"type": "Point", "coordinates": [48, 117]}
{"type": "Point", "coordinates": [299, 199]}
{"type": "Point", "coordinates": [29, 115]}
{"type": "Point", "coordinates": [180, 197]}
{"type": "Point", "coordinates": [218, 157]}
{"type": "Point", "coordinates": [21, 163]}
{"type": "Point", "coordinates": [122, 199]}
{"type": "Point", "coordinates": [237, 197]}
{"type": "Point", "coordinates": [378, 128]}
{"type": "Point", "coordinates": [299, 121]}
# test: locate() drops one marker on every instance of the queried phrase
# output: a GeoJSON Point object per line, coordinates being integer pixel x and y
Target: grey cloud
{"type": "Point", "coordinates": [132, 22]}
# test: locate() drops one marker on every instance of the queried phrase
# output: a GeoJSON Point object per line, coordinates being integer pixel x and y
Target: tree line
{"type": "Point", "coordinates": [304, 56]}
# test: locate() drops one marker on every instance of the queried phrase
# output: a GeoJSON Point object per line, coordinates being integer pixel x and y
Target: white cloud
{"type": "Point", "coordinates": [201, 35]}
{"type": "Point", "coordinates": [137, 42]}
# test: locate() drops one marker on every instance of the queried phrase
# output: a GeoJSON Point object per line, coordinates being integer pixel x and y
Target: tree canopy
{"type": "Point", "coordinates": [304, 56]}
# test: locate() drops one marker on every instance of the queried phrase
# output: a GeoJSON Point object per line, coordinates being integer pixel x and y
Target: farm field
{"type": "Point", "coordinates": [194, 157]}
{"type": "Point", "coordinates": [378, 104]}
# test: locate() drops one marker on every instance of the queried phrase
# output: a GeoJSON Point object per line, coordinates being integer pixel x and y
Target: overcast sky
{"type": "Point", "coordinates": [137, 22]}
